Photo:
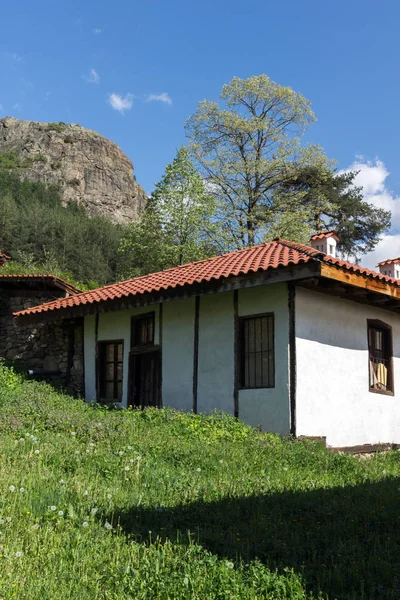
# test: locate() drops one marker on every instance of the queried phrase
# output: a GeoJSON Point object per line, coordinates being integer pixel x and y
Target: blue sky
{"type": "Point", "coordinates": [62, 61]}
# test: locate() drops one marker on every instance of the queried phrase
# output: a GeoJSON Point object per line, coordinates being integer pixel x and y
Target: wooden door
{"type": "Point", "coordinates": [145, 379]}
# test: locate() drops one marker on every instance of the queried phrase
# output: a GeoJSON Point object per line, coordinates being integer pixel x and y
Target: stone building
{"type": "Point", "coordinates": [54, 351]}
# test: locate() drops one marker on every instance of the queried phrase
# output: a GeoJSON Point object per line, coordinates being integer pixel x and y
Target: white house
{"type": "Point", "coordinates": [284, 336]}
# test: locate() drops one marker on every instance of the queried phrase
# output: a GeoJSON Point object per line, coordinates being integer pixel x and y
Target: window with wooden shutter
{"type": "Point", "coordinates": [142, 333]}
{"type": "Point", "coordinates": [256, 352]}
{"type": "Point", "coordinates": [380, 351]}
{"type": "Point", "coordinates": [110, 370]}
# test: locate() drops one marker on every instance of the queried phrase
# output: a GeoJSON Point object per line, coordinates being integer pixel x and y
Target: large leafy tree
{"type": "Point", "coordinates": [317, 199]}
{"type": "Point", "coordinates": [264, 180]}
{"type": "Point", "coordinates": [177, 225]}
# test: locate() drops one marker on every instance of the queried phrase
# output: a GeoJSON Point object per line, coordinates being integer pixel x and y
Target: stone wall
{"type": "Point", "coordinates": [51, 346]}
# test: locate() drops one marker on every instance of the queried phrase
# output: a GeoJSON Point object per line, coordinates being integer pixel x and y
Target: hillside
{"type": "Point", "coordinates": [158, 504]}
{"type": "Point", "coordinates": [90, 170]}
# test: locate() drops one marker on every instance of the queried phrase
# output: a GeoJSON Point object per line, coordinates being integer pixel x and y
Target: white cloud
{"type": "Point", "coordinates": [97, 31]}
{"type": "Point", "coordinates": [93, 76]}
{"type": "Point", "coordinates": [372, 178]}
{"type": "Point", "coordinates": [119, 103]}
{"type": "Point", "coordinates": [15, 56]}
{"type": "Point", "coordinates": [164, 97]}
{"type": "Point", "coordinates": [17, 106]}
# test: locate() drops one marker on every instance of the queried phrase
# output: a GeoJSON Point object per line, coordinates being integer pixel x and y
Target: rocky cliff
{"type": "Point", "coordinates": [90, 169]}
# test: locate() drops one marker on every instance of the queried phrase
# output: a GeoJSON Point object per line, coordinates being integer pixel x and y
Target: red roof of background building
{"type": "Point", "coordinates": [273, 255]}
{"type": "Point", "coordinates": [389, 261]}
{"type": "Point", "coordinates": [325, 234]}
{"type": "Point", "coordinates": [49, 280]}
{"type": "Point", "coordinates": [4, 258]}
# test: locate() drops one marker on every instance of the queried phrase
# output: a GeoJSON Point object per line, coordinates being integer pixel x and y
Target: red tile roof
{"type": "Point", "coordinates": [49, 280]}
{"type": "Point", "coordinates": [389, 261]}
{"type": "Point", "coordinates": [324, 235]}
{"type": "Point", "coordinates": [4, 258]}
{"type": "Point", "coordinates": [273, 255]}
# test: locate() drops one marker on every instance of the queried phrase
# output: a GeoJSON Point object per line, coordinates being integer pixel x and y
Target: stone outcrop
{"type": "Point", "coordinates": [90, 169]}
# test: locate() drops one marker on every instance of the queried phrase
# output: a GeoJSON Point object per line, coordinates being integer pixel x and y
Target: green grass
{"type": "Point", "coordinates": [157, 504]}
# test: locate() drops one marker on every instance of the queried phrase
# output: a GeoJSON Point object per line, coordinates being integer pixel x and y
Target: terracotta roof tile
{"type": "Point", "coordinates": [45, 278]}
{"type": "Point", "coordinates": [389, 261]}
{"type": "Point", "coordinates": [273, 255]}
{"type": "Point", "coordinates": [325, 234]}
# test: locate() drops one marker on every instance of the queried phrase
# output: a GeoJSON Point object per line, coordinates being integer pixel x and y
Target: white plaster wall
{"type": "Point", "coordinates": [332, 394]}
{"type": "Point", "coordinates": [269, 408]}
{"type": "Point", "coordinates": [112, 326]}
{"type": "Point", "coordinates": [216, 353]}
{"type": "Point", "coordinates": [177, 353]}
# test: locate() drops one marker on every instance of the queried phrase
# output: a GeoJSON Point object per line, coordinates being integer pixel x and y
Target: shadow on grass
{"type": "Point", "coordinates": [344, 541]}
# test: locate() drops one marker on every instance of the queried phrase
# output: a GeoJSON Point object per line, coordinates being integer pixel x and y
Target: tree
{"type": "Point", "coordinates": [315, 199]}
{"type": "Point", "coordinates": [176, 226]}
{"type": "Point", "coordinates": [267, 184]}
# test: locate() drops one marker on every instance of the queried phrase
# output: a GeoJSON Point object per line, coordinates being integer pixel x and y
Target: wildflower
{"type": "Point", "coordinates": [198, 469]}
{"type": "Point", "coordinates": [60, 513]}
{"type": "Point", "coordinates": [77, 452]}
{"type": "Point", "coordinates": [22, 490]}
{"type": "Point", "coordinates": [52, 507]}
{"type": "Point", "coordinates": [127, 468]}
{"type": "Point", "coordinates": [230, 565]}
{"type": "Point", "coordinates": [109, 496]}
{"type": "Point", "coordinates": [73, 432]}
{"type": "Point", "coordinates": [108, 525]}
{"type": "Point", "coordinates": [8, 519]}
{"type": "Point", "coordinates": [37, 451]}
{"type": "Point", "coordinates": [18, 554]}
{"type": "Point", "coordinates": [12, 488]}
{"type": "Point", "coordinates": [93, 511]}
{"type": "Point", "coordinates": [36, 526]}
{"type": "Point", "coordinates": [131, 460]}
{"type": "Point", "coordinates": [285, 468]}
{"type": "Point", "coordinates": [92, 444]}
{"type": "Point", "coordinates": [85, 493]}
{"type": "Point", "coordinates": [129, 447]}
{"type": "Point", "coordinates": [21, 439]}
{"type": "Point", "coordinates": [221, 461]}
{"type": "Point", "coordinates": [85, 524]}
{"type": "Point", "coordinates": [2, 521]}
{"type": "Point", "coordinates": [61, 481]}
{"type": "Point", "coordinates": [120, 452]}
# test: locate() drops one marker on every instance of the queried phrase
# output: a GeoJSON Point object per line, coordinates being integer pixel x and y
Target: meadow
{"type": "Point", "coordinates": [156, 504]}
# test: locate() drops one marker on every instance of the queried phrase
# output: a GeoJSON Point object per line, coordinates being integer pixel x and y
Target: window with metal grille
{"type": "Point", "coordinates": [143, 330]}
{"type": "Point", "coordinates": [256, 352]}
{"type": "Point", "coordinates": [110, 365]}
{"type": "Point", "coordinates": [380, 357]}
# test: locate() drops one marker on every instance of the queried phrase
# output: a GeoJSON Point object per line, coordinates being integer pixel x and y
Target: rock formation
{"type": "Point", "coordinates": [90, 169]}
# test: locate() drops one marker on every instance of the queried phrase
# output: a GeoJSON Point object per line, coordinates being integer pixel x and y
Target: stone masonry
{"type": "Point", "coordinates": [46, 346]}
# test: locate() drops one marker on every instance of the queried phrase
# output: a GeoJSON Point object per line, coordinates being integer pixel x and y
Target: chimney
{"type": "Point", "coordinates": [325, 242]}
{"type": "Point", "coordinates": [390, 267]}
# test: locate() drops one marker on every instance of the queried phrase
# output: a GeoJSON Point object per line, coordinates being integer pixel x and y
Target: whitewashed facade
{"type": "Point", "coordinates": [332, 396]}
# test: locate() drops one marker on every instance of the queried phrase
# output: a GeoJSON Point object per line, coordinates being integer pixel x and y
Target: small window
{"type": "Point", "coordinates": [110, 364]}
{"type": "Point", "coordinates": [331, 250]}
{"type": "Point", "coordinates": [380, 357]}
{"type": "Point", "coordinates": [143, 330]}
{"type": "Point", "coordinates": [256, 352]}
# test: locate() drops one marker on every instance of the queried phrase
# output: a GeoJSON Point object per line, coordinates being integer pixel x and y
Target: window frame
{"type": "Point", "coordinates": [135, 319]}
{"type": "Point", "coordinates": [101, 377]}
{"type": "Point", "coordinates": [377, 324]}
{"type": "Point", "coordinates": [241, 352]}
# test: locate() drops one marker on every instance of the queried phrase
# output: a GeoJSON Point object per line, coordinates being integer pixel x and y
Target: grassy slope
{"type": "Point", "coordinates": [268, 518]}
